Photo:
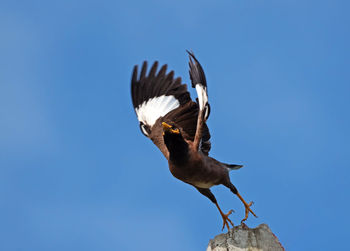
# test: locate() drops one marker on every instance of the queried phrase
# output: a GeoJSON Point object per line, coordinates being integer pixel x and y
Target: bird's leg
{"type": "Point", "coordinates": [246, 205]}
{"type": "Point", "coordinates": [247, 208]}
{"type": "Point", "coordinates": [225, 218]}
{"type": "Point", "coordinates": [247, 212]}
{"type": "Point", "coordinates": [206, 192]}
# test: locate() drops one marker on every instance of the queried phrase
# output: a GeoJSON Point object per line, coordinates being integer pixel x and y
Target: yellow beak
{"type": "Point", "coordinates": [168, 128]}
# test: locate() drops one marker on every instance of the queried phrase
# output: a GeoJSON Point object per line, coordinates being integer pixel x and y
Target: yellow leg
{"type": "Point", "coordinates": [225, 218]}
{"type": "Point", "coordinates": [247, 208]}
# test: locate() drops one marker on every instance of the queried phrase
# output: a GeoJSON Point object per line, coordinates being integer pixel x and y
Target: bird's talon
{"type": "Point", "coordinates": [247, 210]}
{"type": "Point", "coordinates": [231, 222]}
{"type": "Point", "coordinates": [226, 220]}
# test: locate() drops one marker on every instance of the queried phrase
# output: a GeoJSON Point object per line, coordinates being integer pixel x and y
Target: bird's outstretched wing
{"type": "Point", "coordinates": [158, 97]}
{"type": "Point", "coordinates": [199, 82]}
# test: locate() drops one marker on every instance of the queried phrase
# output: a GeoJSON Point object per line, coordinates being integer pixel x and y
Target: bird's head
{"type": "Point", "coordinates": [170, 129]}
{"type": "Point", "coordinates": [177, 146]}
{"type": "Point", "coordinates": [172, 136]}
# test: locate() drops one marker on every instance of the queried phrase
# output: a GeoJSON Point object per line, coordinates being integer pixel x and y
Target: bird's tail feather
{"type": "Point", "coordinates": [231, 167]}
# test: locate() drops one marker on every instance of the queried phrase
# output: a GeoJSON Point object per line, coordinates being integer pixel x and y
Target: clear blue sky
{"type": "Point", "coordinates": [77, 174]}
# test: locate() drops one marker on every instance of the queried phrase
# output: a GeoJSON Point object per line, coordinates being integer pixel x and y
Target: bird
{"type": "Point", "coordinates": [177, 126]}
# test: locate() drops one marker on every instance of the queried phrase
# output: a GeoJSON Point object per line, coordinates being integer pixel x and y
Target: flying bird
{"type": "Point", "coordinates": [177, 126]}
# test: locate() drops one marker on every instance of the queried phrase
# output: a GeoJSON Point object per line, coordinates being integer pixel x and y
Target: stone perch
{"type": "Point", "coordinates": [243, 238]}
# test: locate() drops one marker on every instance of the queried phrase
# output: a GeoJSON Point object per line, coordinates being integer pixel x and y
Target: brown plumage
{"type": "Point", "coordinates": [177, 126]}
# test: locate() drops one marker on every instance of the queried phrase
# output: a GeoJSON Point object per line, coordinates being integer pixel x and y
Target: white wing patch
{"type": "Point", "coordinates": [149, 111]}
{"type": "Point", "coordinates": [202, 96]}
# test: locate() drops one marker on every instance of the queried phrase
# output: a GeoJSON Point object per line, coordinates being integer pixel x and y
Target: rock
{"type": "Point", "coordinates": [243, 238]}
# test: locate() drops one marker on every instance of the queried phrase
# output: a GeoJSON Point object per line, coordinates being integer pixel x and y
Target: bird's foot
{"type": "Point", "coordinates": [247, 210]}
{"type": "Point", "coordinates": [226, 220]}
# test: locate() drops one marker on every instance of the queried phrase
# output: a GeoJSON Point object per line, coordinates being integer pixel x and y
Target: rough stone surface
{"type": "Point", "coordinates": [243, 238]}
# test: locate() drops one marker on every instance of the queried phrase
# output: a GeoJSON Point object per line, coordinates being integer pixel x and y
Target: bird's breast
{"type": "Point", "coordinates": [195, 172]}
{"type": "Point", "coordinates": [203, 184]}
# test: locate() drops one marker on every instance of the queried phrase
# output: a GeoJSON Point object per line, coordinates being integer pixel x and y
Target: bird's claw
{"type": "Point", "coordinates": [247, 210]}
{"type": "Point", "coordinates": [226, 219]}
